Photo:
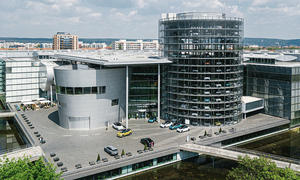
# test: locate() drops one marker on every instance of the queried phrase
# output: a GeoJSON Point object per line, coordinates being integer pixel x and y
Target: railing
{"type": "Point", "coordinates": [264, 154]}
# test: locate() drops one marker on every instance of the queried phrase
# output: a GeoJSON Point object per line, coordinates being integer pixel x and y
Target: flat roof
{"type": "Point", "coordinates": [114, 58]}
{"type": "Point", "coordinates": [249, 99]}
{"type": "Point", "coordinates": [277, 63]}
{"type": "Point", "coordinates": [278, 57]}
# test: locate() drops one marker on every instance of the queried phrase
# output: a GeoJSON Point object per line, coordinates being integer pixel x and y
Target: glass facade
{"type": "Point", "coordinates": [278, 85]}
{"type": "Point", "coordinates": [142, 92]}
{"type": "Point", "coordinates": [131, 168]}
{"type": "Point", "coordinates": [2, 76]}
{"type": "Point", "coordinates": [204, 83]}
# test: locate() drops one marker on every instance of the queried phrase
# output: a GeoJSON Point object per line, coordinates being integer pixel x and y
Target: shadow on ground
{"type": "Point", "coordinates": [54, 117]}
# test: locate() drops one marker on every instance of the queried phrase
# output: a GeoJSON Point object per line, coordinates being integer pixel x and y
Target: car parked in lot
{"type": "Point", "coordinates": [183, 129]}
{"type": "Point", "coordinates": [175, 126]}
{"type": "Point", "coordinates": [152, 120]}
{"type": "Point", "coordinates": [111, 150]}
{"type": "Point", "coordinates": [125, 132]}
{"type": "Point", "coordinates": [166, 124]}
{"type": "Point", "coordinates": [118, 126]}
{"type": "Point", "coordinates": [148, 142]}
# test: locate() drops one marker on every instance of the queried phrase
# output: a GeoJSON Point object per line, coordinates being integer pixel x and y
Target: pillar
{"type": "Point", "coordinates": [127, 93]}
{"type": "Point", "coordinates": [158, 93]}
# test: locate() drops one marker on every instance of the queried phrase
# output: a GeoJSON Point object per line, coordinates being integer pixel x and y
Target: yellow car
{"type": "Point", "coordinates": [217, 123]}
{"type": "Point", "coordinates": [125, 132]}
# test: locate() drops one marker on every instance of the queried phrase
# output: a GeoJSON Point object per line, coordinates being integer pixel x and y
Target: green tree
{"type": "Point", "coordinates": [98, 157]}
{"type": "Point", "coordinates": [260, 168]}
{"type": "Point", "coordinates": [23, 168]}
{"type": "Point", "coordinates": [145, 147]}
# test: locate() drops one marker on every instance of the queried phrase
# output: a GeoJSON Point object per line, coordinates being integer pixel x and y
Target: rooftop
{"type": "Point", "coordinates": [114, 58]}
{"type": "Point", "coordinates": [278, 57]}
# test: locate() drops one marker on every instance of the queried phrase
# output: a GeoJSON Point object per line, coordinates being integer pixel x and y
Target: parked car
{"type": "Point", "coordinates": [148, 142]}
{"type": "Point", "coordinates": [166, 124]}
{"type": "Point", "coordinates": [118, 126]}
{"type": "Point", "coordinates": [217, 123]}
{"type": "Point", "coordinates": [183, 129]}
{"type": "Point", "coordinates": [175, 126]}
{"type": "Point", "coordinates": [152, 120]}
{"type": "Point", "coordinates": [111, 150]}
{"type": "Point", "coordinates": [206, 78]}
{"type": "Point", "coordinates": [125, 132]}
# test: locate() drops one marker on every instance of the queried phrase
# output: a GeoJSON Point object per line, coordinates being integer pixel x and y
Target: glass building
{"type": "Point", "coordinates": [278, 84]}
{"type": "Point", "coordinates": [203, 85]}
{"type": "Point", "coordinates": [142, 91]}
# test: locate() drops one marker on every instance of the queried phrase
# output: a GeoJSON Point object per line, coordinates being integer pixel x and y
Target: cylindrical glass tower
{"type": "Point", "coordinates": [203, 85]}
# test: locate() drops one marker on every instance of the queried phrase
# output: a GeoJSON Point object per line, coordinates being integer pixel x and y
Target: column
{"type": "Point", "coordinates": [127, 93]}
{"type": "Point", "coordinates": [51, 95]}
{"type": "Point", "coordinates": [158, 93]}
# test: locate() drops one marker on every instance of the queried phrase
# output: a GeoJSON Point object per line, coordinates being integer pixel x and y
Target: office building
{"type": "Point", "coordinates": [276, 79]}
{"type": "Point", "coordinates": [203, 85]}
{"type": "Point", "coordinates": [23, 75]}
{"type": "Point", "coordinates": [63, 40]}
{"type": "Point", "coordinates": [97, 89]}
{"type": "Point", "coordinates": [135, 45]}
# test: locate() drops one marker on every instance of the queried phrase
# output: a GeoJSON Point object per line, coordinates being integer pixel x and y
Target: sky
{"type": "Point", "coordinates": [139, 18]}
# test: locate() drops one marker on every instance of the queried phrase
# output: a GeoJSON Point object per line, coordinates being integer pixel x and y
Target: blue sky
{"type": "Point", "coordinates": [139, 18]}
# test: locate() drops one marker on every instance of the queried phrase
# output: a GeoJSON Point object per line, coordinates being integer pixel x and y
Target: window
{"type": "Point", "coordinates": [114, 102]}
{"type": "Point", "coordinates": [69, 90]}
{"type": "Point", "coordinates": [87, 90]}
{"type": "Point", "coordinates": [94, 90]}
{"type": "Point", "coordinates": [63, 90]}
{"type": "Point", "coordinates": [103, 89]}
{"type": "Point", "coordinates": [78, 90]}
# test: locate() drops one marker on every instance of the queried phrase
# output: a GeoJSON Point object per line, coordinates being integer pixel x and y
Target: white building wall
{"type": "Point", "coordinates": [22, 78]}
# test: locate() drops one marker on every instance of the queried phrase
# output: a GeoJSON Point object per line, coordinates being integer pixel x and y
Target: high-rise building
{"type": "Point", "coordinates": [136, 45]}
{"type": "Point", "coordinates": [63, 40]}
{"type": "Point", "coordinates": [203, 85]}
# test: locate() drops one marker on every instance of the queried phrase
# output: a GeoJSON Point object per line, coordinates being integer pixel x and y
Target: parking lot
{"type": "Point", "coordinates": [82, 146]}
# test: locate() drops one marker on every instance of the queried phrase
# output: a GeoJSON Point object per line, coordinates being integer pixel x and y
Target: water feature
{"type": "Point", "coordinates": [10, 138]}
{"type": "Point", "coordinates": [285, 144]}
{"type": "Point", "coordinates": [201, 167]}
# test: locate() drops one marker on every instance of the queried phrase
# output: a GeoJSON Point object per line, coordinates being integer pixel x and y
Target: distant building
{"type": "Point", "coordinates": [136, 45]}
{"type": "Point", "coordinates": [63, 40]}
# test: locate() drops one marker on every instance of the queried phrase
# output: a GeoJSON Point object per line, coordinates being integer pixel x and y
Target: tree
{"type": "Point", "coordinates": [98, 157]}
{"type": "Point", "coordinates": [23, 168]}
{"type": "Point", "coordinates": [259, 168]}
{"type": "Point", "coordinates": [145, 147]}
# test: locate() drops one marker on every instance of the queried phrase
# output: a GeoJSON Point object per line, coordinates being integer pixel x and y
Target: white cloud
{"type": "Point", "coordinates": [260, 2]}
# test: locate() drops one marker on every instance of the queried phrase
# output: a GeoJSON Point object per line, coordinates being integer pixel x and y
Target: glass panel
{"type": "Point", "coordinates": [87, 90]}
{"type": "Point", "coordinates": [94, 90]}
{"type": "Point", "coordinates": [78, 90]}
{"type": "Point", "coordinates": [70, 90]}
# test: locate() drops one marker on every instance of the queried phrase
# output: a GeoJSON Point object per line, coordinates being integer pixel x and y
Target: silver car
{"type": "Point", "coordinates": [111, 150]}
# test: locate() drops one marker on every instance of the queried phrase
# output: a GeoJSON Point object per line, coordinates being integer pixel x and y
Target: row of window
{"type": "Point", "coordinates": [81, 90]}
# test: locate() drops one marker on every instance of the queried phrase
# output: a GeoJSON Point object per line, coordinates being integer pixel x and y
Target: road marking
{"type": "Point", "coordinates": [67, 135]}
{"type": "Point", "coordinates": [84, 135]}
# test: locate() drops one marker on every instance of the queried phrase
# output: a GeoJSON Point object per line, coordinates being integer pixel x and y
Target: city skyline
{"type": "Point", "coordinates": [138, 18]}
